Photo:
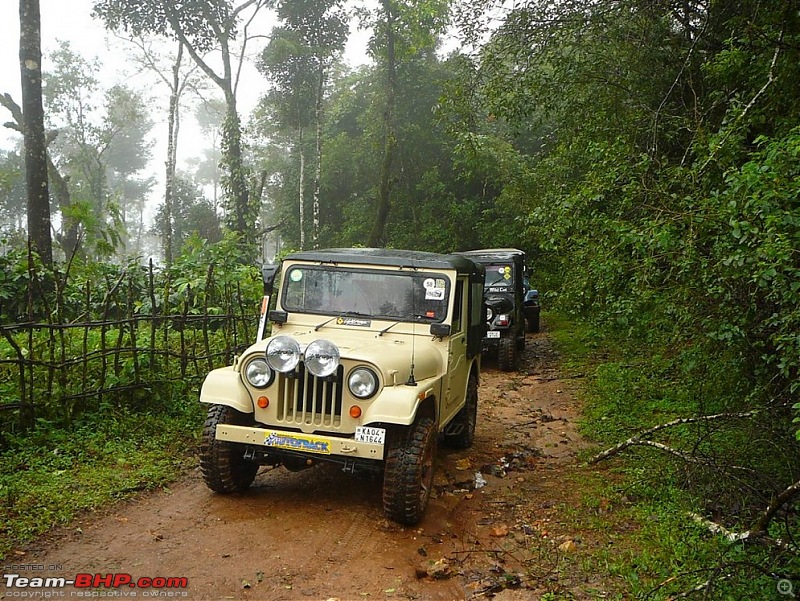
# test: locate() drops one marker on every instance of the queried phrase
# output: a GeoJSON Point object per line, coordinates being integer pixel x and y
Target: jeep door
{"type": "Point", "coordinates": [457, 374]}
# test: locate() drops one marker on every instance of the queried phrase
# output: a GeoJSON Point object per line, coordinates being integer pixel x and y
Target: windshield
{"type": "Point", "coordinates": [400, 296]}
{"type": "Point", "coordinates": [499, 278]}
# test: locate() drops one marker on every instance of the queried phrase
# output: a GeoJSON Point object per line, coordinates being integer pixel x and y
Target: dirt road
{"type": "Point", "coordinates": [321, 534]}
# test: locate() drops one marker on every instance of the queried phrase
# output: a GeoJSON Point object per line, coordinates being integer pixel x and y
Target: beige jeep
{"type": "Point", "coordinates": [374, 355]}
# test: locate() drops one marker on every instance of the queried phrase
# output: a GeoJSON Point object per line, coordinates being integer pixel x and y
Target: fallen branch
{"type": "Point", "coordinates": [761, 524]}
{"type": "Point", "coordinates": [719, 529]}
{"type": "Point", "coordinates": [700, 587]}
{"type": "Point", "coordinates": [641, 438]}
{"type": "Point", "coordinates": [748, 536]}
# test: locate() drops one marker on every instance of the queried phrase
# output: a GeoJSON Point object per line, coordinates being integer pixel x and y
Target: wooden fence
{"type": "Point", "coordinates": [145, 344]}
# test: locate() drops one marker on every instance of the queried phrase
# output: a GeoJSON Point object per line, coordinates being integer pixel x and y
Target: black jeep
{"type": "Point", "coordinates": [510, 303]}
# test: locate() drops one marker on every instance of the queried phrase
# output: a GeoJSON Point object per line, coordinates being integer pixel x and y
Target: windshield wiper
{"type": "Point", "coordinates": [389, 327]}
{"type": "Point", "coordinates": [497, 281]}
{"type": "Point", "coordinates": [326, 322]}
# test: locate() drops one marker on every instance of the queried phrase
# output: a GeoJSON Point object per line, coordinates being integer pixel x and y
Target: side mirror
{"type": "Point", "coordinates": [440, 330]}
{"type": "Point", "coordinates": [276, 316]}
{"type": "Point", "coordinates": [268, 273]}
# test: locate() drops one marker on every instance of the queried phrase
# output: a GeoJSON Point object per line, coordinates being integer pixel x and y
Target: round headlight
{"type": "Point", "coordinates": [283, 354]}
{"type": "Point", "coordinates": [258, 373]}
{"type": "Point", "coordinates": [322, 358]}
{"type": "Point", "coordinates": [362, 382]}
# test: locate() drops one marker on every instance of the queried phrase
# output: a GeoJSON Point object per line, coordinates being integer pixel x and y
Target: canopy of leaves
{"type": "Point", "coordinates": [199, 20]}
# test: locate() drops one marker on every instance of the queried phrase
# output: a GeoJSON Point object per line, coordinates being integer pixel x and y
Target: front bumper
{"type": "Point", "coordinates": [313, 444]}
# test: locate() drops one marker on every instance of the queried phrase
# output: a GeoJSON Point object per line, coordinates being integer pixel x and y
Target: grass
{"type": "Point", "coordinates": [49, 476]}
{"type": "Point", "coordinates": [649, 542]}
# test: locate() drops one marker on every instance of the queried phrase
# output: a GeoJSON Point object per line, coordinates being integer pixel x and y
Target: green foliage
{"type": "Point", "coordinates": [115, 383]}
{"type": "Point", "coordinates": [437, 205]}
{"type": "Point", "coordinates": [648, 155]}
{"type": "Point", "coordinates": [100, 149]}
{"type": "Point", "coordinates": [199, 22]}
{"type": "Point", "coordinates": [201, 26]}
{"type": "Point", "coordinates": [241, 210]}
{"type": "Point", "coordinates": [12, 191]}
{"type": "Point", "coordinates": [50, 475]}
{"type": "Point", "coordinates": [416, 26]}
{"type": "Point", "coordinates": [114, 339]}
{"type": "Point", "coordinates": [192, 215]}
{"type": "Point", "coordinates": [632, 386]}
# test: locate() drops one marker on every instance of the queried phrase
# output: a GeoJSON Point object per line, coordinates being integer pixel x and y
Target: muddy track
{"type": "Point", "coordinates": [321, 533]}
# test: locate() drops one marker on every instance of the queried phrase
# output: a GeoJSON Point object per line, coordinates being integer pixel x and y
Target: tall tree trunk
{"type": "Point", "coordinates": [378, 234]}
{"type": "Point", "coordinates": [172, 154]}
{"type": "Point", "coordinates": [300, 188]}
{"type": "Point", "coordinates": [30, 62]}
{"type": "Point", "coordinates": [318, 169]}
{"type": "Point", "coordinates": [240, 214]}
{"type": "Point", "coordinates": [243, 220]}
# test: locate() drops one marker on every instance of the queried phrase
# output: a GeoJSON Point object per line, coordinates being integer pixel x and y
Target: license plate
{"type": "Point", "coordinates": [370, 435]}
{"type": "Point", "coordinates": [493, 334]}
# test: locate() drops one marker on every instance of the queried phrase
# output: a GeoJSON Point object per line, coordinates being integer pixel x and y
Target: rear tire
{"type": "Point", "coordinates": [408, 475]}
{"type": "Point", "coordinates": [222, 463]}
{"type": "Point", "coordinates": [460, 433]}
{"type": "Point", "coordinates": [507, 354]}
{"type": "Point", "coordinates": [533, 323]}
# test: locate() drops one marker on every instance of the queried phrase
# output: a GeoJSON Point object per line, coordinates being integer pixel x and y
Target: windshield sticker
{"type": "Point", "coordinates": [353, 321]}
{"type": "Point", "coordinates": [296, 275]}
{"type": "Point", "coordinates": [436, 294]}
{"type": "Point", "coordinates": [507, 273]}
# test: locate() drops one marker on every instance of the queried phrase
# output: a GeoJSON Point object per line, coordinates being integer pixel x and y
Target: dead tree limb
{"type": "Point", "coordinates": [748, 536]}
{"type": "Point", "coordinates": [762, 523]}
{"type": "Point", "coordinates": [719, 529]}
{"type": "Point", "coordinates": [642, 437]}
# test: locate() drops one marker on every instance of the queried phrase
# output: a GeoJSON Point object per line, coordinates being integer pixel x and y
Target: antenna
{"type": "Point", "coordinates": [411, 381]}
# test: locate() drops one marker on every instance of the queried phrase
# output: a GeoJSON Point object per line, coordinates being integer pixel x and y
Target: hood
{"type": "Point", "coordinates": [392, 354]}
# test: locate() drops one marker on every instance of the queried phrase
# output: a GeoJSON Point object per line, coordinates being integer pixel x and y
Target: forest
{"type": "Point", "coordinates": [645, 154]}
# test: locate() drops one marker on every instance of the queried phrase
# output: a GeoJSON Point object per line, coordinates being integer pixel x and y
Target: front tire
{"type": "Point", "coordinates": [507, 354]}
{"type": "Point", "coordinates": [222, 463]}
{"type": "Point", "coordinates": [408, 475]}
{"type": "Point", "coordinates": [460, 433]}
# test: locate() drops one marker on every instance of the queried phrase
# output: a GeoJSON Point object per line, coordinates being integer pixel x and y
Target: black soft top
{"type": "Point", "coordinates": [489, 255]}
{"type": "Point", "coordinates": [389, 257]}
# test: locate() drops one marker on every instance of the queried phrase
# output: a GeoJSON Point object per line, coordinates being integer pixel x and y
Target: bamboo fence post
{"type": "Point", "coordinates": [132, 322]}
{"type": "Point", "coordinates": [153, 325]}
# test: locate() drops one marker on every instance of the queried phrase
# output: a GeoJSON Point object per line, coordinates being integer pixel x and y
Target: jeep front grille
{"type": "Point", "coordinates": [305, 399]}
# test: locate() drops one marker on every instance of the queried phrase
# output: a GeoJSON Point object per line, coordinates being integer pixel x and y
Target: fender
{"type": "Point", "coordinates": [399, 404]}
{"type": "Point", "coordinates": [223, 386]}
